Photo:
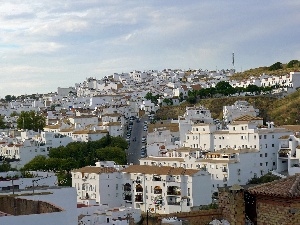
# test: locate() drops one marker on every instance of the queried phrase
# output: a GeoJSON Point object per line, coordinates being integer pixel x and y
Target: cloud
{"type": "Point", "coordinates": [68, 40]}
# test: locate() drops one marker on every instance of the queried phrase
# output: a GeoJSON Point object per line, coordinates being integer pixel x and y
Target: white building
{"type": "Point", "coordinates": [165, 189]}
{"type": "Point", "coordinates": [101, 183]}
{"type": "Point", "coordinates": [238, 109]}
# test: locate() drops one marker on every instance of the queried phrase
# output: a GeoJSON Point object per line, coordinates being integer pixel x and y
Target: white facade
{"type": "Point", "coordinates": [238, 109]}
{"type": "Point", "coordinates": [164, 189]}
{"type": "Point", "coordinates": [101, 183]}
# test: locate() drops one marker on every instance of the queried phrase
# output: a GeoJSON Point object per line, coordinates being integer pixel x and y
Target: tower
{"type": "Point", "coordinates": [232, 60]}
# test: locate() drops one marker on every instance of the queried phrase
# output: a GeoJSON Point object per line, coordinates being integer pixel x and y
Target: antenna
{"type": "Point", "coordinates": [232, 60]}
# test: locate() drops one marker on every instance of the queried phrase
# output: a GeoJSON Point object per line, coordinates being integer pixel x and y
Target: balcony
{"type": "Point", "coordinates": [158, 192]}
{"type": "Point", "coordinates": [139, 198]}
{"type": "Point", "coordinates": [128, 198]}
{"type": "Point", "coordinates": [284, 153]}
{"type": "Point", "coordinates": [203, 168]}
{"type": "Point", "coordinates": [173, 203]}
{"type": "Point", "coordinates": [156, 178]}
{"type": "Point", "coordinates": [173, 190]}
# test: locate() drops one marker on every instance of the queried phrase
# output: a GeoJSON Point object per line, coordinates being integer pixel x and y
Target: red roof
{"type": "Point", "coordinates": [287, 188]}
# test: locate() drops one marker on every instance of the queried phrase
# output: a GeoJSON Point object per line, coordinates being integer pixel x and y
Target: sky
{"type": "Point", "coordinates": [57, 43]}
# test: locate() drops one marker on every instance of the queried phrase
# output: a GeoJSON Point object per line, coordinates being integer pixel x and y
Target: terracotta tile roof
{"type": "Point", "coordinates": [247, 118]}
{"type": "Point", "coordinates": [287, 188]}
{"type": "Point", "coordinates": [173, 127]}
{"type": "Point", "coordinates": [294, 128]}
{"type": "Point", "coordinates": [161, 170]}
{"type": "Point", "coordinates": [95, 169]}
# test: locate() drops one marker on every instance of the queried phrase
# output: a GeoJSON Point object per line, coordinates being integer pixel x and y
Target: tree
{"type": "Point", "coordinates": [14, 113]}
{"type": "Point", "coordinates": [263, 179]}
{"type": "Point", "coordinates": [253, 89]}
{"type": "Point", "coordinates": [37, 163]}
{"type": "Point", "coordinates": [191, 99]}
{"type": "Point", "coordinates": [293, 63]}
{"type": "Point", "coordinates": [181, 97]}
{"type": "Point", "coordinates": [9, 98]}
{"type": "Point", "coordinates": [276, 66]}
{"type": "Point", "coordinates": [168, 101]}
{"type": "Point", "coordinates": [31, 121]}
{"type": "Point", "coordinates": [2, 123]}
{"type": "Point", "coordinates": [224, 88]}
{"type": "Point", "coordinates": [5, 167]}
{"type": "Point", "coordinates": [152, 98]}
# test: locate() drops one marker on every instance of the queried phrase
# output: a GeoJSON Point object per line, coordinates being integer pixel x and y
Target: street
{"type": "Point", "coordinates": [134, 149]}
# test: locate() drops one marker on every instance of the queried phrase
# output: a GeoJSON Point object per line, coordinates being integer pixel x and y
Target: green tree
{"type": "Point", "coordinates": [293, 63]}
{"type": "Point", "coordinates": [31, 121]}
{"type": "Point", "coordinates": [276, 66]}
{"type": "Point", "coordinates": [253, 89]}
{"type": "Point", "coordinates": [191, 99]}
{"type": "Point", "coordinates": [2, 123]}
{"type": "Point", "coordinates": [181, 97]}
{"type": "Point", "coordinates": [14, 113]}
{"type": "Point", "coordinates": [36, 164]}
{"type": "Point", "coordinates": [5, 167]}
{"type": "Point", "coordinates": [224, 88]}
{"type": "Point", "coordinates": [168, 101]}
{"type": "Point", "coordinates": [263, 179]}
{"type": "Point", "coordinates": [10, 98]}
{"type": "Point", "coordinates": [112, 153]}
{"type": "Point", "coordinates": [152, 98]}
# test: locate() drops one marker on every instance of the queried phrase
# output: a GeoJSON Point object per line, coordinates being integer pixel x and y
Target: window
{"type": "Point", "coordinates": [266, 154]}
{"type": "Point", "coordinates": [260, 155]}
{"type": "Point", "coordinates": [273, 163]}
{"type": "Point", "coordinates": [266, 163]}
{"type": "Point", "coordinates": [260, 164]}
{"type": "Point", "coordinates": [273, 136]}
{"type": "Point", "coordinates": [266, 145]}
{"type": "Point", "coordinates": [189, 192]}
{"type": "Point", "coordinates": [254, 137]}
{"type": "Point", "coordinates": [242, 137]}
{"type": "Point", "coordinates": [259, 136]}
{"type": "Point", "coordinates": [265, 136]}
{"type": "Point", "coordinates": [233, 128]}
{"type": "Point", "coordinates": [273, 145]}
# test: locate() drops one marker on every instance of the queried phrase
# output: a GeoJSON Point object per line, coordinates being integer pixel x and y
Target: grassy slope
{"type": "Point", "coordinates": [281, 111]}
{"type": "Point", "coordinates": [260, 70]}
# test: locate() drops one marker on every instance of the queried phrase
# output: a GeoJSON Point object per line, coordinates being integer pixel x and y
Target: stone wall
{"type": "Point", "coordinates": [232, 205]}
{"type": "Point", "coordinates": [274, 210]}
{"type": "Point", "coordinates": [18, 206]}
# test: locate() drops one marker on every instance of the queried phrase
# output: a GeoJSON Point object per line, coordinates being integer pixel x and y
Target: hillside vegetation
{"type": "Point", "coordinates": [277, 69]}
{"type": "Point", "coordinates": [284, 111]}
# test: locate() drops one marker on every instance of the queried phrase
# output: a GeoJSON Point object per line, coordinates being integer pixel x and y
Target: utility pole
{"type": "Point", "coordinates": [13, 186]}
{"type": "Point", "coordinates": [147, 216]}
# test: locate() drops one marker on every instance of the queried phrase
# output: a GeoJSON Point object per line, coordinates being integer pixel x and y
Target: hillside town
{"type": "Point", "coordinates": [173, 165]}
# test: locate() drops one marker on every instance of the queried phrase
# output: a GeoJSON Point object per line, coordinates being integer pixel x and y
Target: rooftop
{"type": "Point", "coordinates": [287, 188]}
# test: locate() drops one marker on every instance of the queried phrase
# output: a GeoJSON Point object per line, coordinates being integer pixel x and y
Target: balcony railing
{"type": "Point", "coordinates": [224, 170]}
{"type": "Point", "coordinates": [283, 155]}
{"type": "Point", "coordinates": [139, 190]}
{"type": "Point", "coordinates": [173, 193]}
{"type": "Point", "coordinates": [173, 203]}
{"type": "Point", "coordinates": [157, 191]}
{"type": "Point", "coordinates": [138, 199]}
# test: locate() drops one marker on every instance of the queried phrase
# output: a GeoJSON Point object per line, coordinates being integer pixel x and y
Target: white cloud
{"type": "Point", "coordinates": [98, 37]}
